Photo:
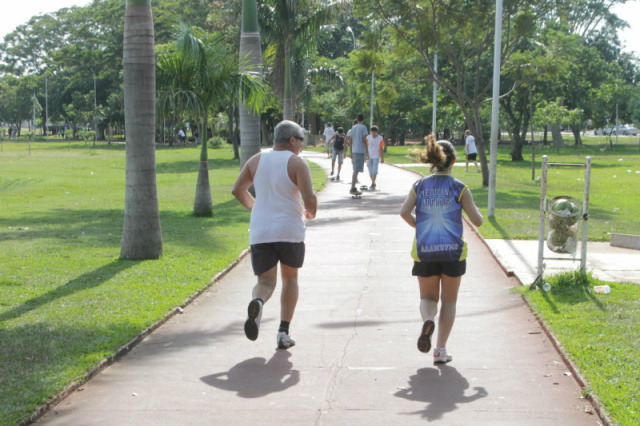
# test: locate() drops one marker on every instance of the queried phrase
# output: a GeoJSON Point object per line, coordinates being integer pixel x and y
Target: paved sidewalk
{"type": "Point", "coordinates": [603, 260]}
{"type": "Point", "coordinates": [356, 326]}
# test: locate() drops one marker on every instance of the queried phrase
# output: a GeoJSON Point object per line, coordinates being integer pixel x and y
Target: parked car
{"type": "Point", "coordinates": [620, 130]}
{"type": "Point", "coordinates": [629, 130]}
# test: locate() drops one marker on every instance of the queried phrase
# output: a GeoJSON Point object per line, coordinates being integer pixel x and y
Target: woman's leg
{"type": "Point", "coordinates": [429, 295]}
{"type": "Point", "coordinates": [449, 299]}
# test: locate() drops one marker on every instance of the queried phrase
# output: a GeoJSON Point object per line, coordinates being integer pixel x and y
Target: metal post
{"type": "Point", "coordinates": [95, 109]}
{"type": "Point", "coordinates": [373, 79]}
{"type": "Point", "coordinates": [46, 111]}
{"type": "Point", "coordinates": [435, 94]}
{"type": "Point", "coordinates": [585, 216]}
{"type": "Point", "coordinates": [495, 109]}
{"type": "Point", "coordinates": [543, 198]}
{"type": "Point", "coordinates": [617, 124]}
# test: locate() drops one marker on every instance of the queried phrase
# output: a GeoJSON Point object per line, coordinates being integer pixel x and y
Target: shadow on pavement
{"type": "Point", "coordinates": [441, 388]}
{"type": "Point", "coordinates": [257, 377]}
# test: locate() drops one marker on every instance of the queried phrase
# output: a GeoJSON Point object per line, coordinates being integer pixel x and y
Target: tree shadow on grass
{"type": "Point", "coordinates": [102, 228]}
{"type": "Point", "coordinates": [569, 295]}
{"type": "Point", "coordinates": [83, 282]}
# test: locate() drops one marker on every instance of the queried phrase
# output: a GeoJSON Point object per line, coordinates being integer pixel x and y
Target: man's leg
{"type": "Point", "coordinates": [289, 296]}
{"type": "Point", "coordinates": [466, 163]}
{"type": "Point", "coordinates": [288, 302]}
{"type": "Point", "coordinates": [262, 292]}
{"type": "Point", "coordinates": [266, 284]}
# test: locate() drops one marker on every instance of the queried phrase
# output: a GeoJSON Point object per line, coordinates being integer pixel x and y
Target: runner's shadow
{"type": "Point", "coordinates": [441, 388]}
{"type": "Point", "coordinates": [257, 377]}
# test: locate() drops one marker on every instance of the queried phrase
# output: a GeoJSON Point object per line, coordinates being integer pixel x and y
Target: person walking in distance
{"type": "Point", "coordinates": [470, 150]}
{"type": "Point", "coordinates": [337, 140]}
{"type": "Point", "coordinates": [328, 134]}
{"type": "Point", "coordinates": [375, 146]}
{"type": "Point", "coordinates": [439, 249]}
{"type": "Point", "coordinates": [276, 227]}
{"type": "Point", "coordinates": [358, 151]}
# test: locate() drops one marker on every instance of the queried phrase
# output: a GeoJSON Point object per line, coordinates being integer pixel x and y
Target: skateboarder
{"type": "Point", "coordinates": [358, 151]}
{"type": "Point", "coordinates": [276, 228]}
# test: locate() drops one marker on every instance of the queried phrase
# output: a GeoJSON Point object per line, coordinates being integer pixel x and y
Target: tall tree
{"type": "Point", "coordinates": [197, 75]}
{"type": "Point", "coordinates": [251, 52]}
{"type": "Point", "coordinates": [462, 33]}
{"type": "Point", "coordinates": [291, 26]}
{"type": "Point", "coordinates": [141, 234]}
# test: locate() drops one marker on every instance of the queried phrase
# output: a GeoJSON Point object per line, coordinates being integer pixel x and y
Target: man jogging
{"type": "Point", "coordinates": [276, 228]}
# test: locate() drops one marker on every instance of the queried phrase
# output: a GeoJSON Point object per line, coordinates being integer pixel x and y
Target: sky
{"type": "Point", "coordinates": [25, 9]}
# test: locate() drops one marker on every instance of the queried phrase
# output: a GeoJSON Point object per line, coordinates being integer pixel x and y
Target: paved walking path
{"type": "Point", "coordinates": [356, 326]}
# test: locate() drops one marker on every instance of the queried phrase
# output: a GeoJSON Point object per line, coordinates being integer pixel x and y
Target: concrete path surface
{"type": "Point", "coordinates": [356, 326]}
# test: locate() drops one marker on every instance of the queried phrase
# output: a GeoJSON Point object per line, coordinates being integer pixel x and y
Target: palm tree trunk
{"type": "Point", "coordinates": [288, 98]}
{"type": "Point", "coordinates": [251, 50]}
{"type": "Point", "coordinates": [203, 204]}
{"type": "Point", "coordinates": [141, 233]}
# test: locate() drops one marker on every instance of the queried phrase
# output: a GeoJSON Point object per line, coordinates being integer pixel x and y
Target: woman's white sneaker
{"type": "Point", "coordinates": [440, 356]}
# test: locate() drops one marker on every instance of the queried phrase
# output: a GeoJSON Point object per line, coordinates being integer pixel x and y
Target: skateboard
{"type": "Point", "coordinates": [335, 179]}
{"type": "Point", "coordinates": [364, 188]}
{"type": "Point", "coordinates": [356, 196]}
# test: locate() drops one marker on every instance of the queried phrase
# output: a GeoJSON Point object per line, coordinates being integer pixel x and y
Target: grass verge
{"type": "Point", "coordinates": [612, 209]}
{"type": "Point", "coordinates": [599, 334]}
{"type": "Point", "coordinates": [66, 300]}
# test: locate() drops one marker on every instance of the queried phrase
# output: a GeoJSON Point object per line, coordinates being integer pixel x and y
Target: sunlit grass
{"type": "Point", "coordinates": [599, 333]}
{"type": "Point", "coordinates": [66, 300]}
{"type": "Point", "coordinates": [614, 199]}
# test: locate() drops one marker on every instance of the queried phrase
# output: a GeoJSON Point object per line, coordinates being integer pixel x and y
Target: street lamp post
{"type": "Point", "coordinates": [95, 108]}
{"type": "Point", "coordinates": [495, 109]}
{"type": "Point", "coordinates": [435, 95]}
{"type": "Point", "coordinates": [46, 110]}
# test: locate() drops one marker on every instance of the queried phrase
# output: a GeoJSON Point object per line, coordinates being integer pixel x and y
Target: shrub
{"type": "Point", "coordinates": [215, 142]}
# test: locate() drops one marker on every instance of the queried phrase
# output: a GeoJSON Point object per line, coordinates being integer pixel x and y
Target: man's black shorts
{"type": "Point", "coordinates": [472, 157]}
{"type": "Point", "coordinates": [267, 255]}
{"type": "Point", "coordinates": [429, 269]}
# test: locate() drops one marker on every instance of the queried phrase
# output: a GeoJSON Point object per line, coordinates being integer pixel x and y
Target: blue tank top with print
{"type": "Point", "coordinates": [439, 220]}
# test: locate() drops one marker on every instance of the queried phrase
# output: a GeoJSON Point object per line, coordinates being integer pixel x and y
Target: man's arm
{"type": "Point", "coordinates": [244, 181]}
{"type": "Point", "coordinates": [366, 146]}
{"type": "Point", "coordinates": [381, 151]}
{"type": "Point", "coordinates": [302, 178]}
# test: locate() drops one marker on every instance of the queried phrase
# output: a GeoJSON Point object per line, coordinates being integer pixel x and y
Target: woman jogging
{"type": "Point", "coordinates": [439, 250]}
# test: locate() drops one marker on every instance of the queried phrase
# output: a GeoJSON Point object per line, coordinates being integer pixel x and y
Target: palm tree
{"type": "Point", "coordinates": [141, 233]}
{"type": "Point", "coordinates": [293, 25]}
{"type": "Point", "coordinates": [251, 50]}
{"type": "Point", "coordinates": [199, 77]}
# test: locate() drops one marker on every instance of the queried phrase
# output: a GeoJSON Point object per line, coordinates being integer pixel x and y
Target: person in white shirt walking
{"type": "Point", "coordinates": [276, 227]}
{"type": "Point", "coordinates": [375, 146]}
{"type": "Point", "coordinates": [470, 150]}
{"type": "Point", "coordinates": [328, 134]}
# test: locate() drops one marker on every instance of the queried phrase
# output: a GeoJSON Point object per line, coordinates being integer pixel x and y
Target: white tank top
{"type": "Point", "coordinates": [277, 213]}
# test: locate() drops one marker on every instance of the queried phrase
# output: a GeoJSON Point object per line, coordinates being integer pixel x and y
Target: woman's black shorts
{"type": "Point", "coordinates": [451, 269]}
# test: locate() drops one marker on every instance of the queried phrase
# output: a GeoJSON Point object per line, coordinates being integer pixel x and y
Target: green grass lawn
{"type": "Point", "coordinates": [599, 333]}
{"type": "Point", "coordinates": [66, 300]}
{"type": "Point", "coordinates": [614, 197]}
